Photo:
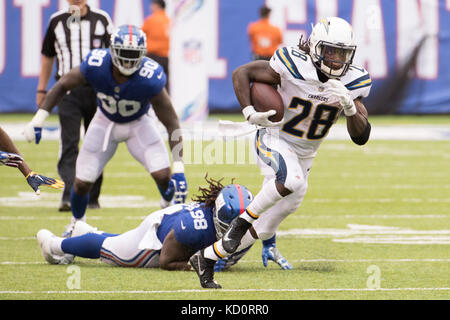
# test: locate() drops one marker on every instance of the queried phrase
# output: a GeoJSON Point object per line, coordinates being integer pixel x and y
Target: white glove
{"type": "Point", "coordinates": [260, 118]}
{"type": "Point", "coordinates": [33, 129]}
{"type": "Point", "coordinates": [345, 99]}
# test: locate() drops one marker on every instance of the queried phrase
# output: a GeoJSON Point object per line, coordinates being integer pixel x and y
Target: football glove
{"type": "Point", "coordinates": [10, 159]}
{"type": "Point", "coordinates": [179, 183]}
{"type": "Point", "coordinates": [226, 263]}
{"type": "Point", "coordinates": [35, 180]}
{"type": "Point", "coordinates": [272, 253]}
{"type": "Point", "coordinates": [33, 130]}
{"type": "Point", "coordinates": [260, 118]}
{"type": "Point", "coordinates": [345, 99]}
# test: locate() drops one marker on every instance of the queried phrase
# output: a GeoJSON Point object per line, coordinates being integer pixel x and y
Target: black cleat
{"type": "Point", "coordinates": [233, 237]}
{"type": "Point", "coordinates": [205, 270]}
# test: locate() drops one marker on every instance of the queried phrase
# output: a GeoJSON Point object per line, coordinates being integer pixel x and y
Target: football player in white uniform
{"type": "Point", "coordinates": [316, 81]}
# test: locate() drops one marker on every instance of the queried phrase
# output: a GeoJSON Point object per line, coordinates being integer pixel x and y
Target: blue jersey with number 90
{"type": "Point", "coordinates": [122, 102]}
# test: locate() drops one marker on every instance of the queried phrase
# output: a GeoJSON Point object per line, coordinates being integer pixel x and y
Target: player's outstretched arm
{"type": "Point", "coordinates": [165, 112]}
{"type": "Point", "coordinates": [6, 144]}
{"type": "Point", "coordinates": [13, 159]}
{"type": "Point", "coordinates": [70, 81]}
{"type": "Point", "coordinates": [174, 255]}
{"type": "Point", "coordinates": [162, 105]}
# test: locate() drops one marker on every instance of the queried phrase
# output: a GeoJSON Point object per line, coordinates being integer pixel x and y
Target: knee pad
{"type": "Point", "coordinates": [296, 183]}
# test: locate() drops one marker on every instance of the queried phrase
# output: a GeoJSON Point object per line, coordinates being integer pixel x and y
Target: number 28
{"type": "Point", "coordinates": [324, 117]}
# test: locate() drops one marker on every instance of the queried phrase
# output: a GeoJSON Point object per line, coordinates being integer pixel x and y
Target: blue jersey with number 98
{"type": "Point", "coordinates": [122, 102]}
{"type": "Point", "coordinates": [192, 224]}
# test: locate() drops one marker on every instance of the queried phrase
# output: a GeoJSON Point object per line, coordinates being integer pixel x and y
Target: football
{"type": "Point", "coordinates": [264, 98]}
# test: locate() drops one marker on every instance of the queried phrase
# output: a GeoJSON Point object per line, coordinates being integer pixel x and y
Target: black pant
{"type": "Point", "coordinates": [164, 62]}
{"type": "Point", "coordinates": [77, 106]}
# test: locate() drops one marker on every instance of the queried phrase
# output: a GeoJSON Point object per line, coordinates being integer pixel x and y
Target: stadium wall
{"type": "Point", "coordinates": [404, 44]}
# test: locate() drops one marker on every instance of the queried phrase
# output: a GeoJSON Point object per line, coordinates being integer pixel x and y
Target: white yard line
{"type": "Point", "coordinates": [12, 263]}
{"type": "Point", "coordinates": [222, 290]}
{"type": "Point", "coordinates": [294, 216]}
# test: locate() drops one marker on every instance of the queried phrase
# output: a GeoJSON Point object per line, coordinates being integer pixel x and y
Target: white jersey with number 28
{"type": "Point", "coordinates": [310, 110]}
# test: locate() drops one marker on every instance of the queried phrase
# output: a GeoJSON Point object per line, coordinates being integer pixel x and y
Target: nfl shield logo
{"type": "Point", "coordinates": [192, 51]}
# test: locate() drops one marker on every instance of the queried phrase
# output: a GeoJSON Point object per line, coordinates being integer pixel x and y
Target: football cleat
{"type": "Point", "coordinates": [205, 270]}
{"type": "Point", "coordinates": [272, 253]}
{"type": "Point", "coordinates": [44, 238]}
{"type": "Point", "coordinates": [69, 228]}
{"type": "Point", "coordinates": [233, 236]}
{"type": "Point", "coordinates": [81, 228]}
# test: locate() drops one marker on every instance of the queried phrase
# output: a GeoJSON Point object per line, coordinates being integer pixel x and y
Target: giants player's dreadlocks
{"type": "Point", "coordinates": [209, 194]}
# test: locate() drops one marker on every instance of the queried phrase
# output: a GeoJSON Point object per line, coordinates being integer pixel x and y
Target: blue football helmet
{"type": "Point", "coordinates": [230, 203]}
{"type": "Point", "coordinates": [128, 48]}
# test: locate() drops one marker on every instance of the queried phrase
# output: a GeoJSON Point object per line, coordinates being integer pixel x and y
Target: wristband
{"type": "Point", "coordinates": [248, 111]}
{"type": "Point", "coordinates": [350, 111]}
{"type": "Point", "coordinates": [178, 167]}
{"type": "Point", "coordinates": [42, 91]}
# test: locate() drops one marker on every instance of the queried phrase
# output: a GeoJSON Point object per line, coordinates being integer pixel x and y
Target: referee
{"type": "Point", "coordinates": [69, 38]}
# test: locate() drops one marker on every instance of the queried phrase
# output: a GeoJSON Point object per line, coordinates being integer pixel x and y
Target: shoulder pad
{"type": "Point", "coordinates": [292, 63]}
{"type": "Point", "coordinates": [356, 78]}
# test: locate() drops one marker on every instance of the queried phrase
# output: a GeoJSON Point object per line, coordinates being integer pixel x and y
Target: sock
{"type": "Point", "coordinates": [86, 246]}
{"type": "Point", "coordinates": [270, 242]}
{"type": "Point", "coordinates": [105, 234]}
{"type": "Point", "coordinates": [216, 250]}
{"type": "Point", "coordinates": [78, 204]}
{"type": "Point", "coordinates": [266, 198]}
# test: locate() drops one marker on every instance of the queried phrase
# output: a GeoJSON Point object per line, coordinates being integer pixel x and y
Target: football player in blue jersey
{"type": "Point", "coordinates": [166, 238]}
{"type": "Point", "coordinates": [128, 86]}
{"type": "Point", "coordinates": [317, 81]}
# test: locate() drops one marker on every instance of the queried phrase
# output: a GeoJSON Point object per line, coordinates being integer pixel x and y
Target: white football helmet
{"type": "Point", "coordinates": [332, 46]}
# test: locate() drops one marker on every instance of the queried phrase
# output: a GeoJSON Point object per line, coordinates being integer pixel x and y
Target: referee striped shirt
{"type": "Point", "coordinates": [70, 39]}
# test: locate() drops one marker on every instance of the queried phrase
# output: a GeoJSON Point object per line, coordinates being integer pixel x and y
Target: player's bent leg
{"type": "Point", "coordinates": [86, 246]}
{"type": "Point", "coordinates": [165, 186]}
{"type": "Point", "coordinates": [246, 243]}
{"type": "Point", "coordinates": [135, 248]}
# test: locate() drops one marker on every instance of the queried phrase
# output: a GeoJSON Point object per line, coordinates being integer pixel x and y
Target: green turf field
{"type": "Point", "coordinates": [375, 224]}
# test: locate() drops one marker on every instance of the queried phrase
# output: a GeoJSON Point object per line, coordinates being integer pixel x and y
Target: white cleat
{"type": "Point", "coordinates": [69, 228]}
{"type": "Point", "coordinates": [81, 228]}
{"type": "Point", "coordinates": [44, 238]}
